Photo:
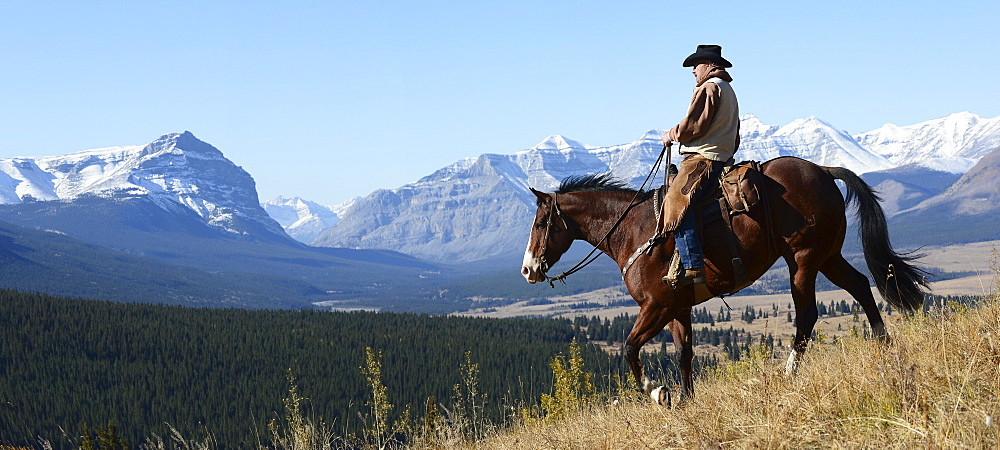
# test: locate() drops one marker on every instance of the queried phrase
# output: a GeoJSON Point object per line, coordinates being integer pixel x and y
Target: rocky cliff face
{"type": "Point", "coordinates": [454, 215]}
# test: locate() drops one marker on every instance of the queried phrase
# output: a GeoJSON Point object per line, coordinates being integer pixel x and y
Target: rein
{"type": "Point", "coordinates": [591, 257]}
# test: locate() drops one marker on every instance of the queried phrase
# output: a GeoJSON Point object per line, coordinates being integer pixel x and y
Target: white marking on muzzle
{"type": "Point", "coordinates": [531, 267]}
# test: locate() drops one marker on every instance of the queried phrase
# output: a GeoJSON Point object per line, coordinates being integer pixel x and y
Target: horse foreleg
{"type": "Point", "coordinates": [683, 337]}
{"type": "Point", "coordinates": [648, 324]}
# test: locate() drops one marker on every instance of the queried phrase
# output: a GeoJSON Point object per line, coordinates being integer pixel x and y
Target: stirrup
{"type": "Point", "coordinates": [689, 277]}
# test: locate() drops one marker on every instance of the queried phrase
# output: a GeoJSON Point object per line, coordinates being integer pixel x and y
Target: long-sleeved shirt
{"type": "Point", "coordinates": [711, 126]}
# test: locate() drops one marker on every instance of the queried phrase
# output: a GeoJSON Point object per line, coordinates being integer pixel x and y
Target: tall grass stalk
{"type": "Point", "coordinates": [468, 403]}
{"type": "Point", "coordinates": [176, 441]}
{"type": "Point", "coordinates": [377, 431]}
{"type": "Point", "coordinates": [573, 388]}
{"type": "Point", "coordinates": [298, 431]}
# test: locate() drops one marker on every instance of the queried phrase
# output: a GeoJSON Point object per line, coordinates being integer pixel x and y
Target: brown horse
{"type": "Point", "coordinates": [804, 222]}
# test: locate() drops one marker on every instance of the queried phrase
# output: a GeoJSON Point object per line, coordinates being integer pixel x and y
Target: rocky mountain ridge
{"type": "Point", "coordinates": [479, 208]}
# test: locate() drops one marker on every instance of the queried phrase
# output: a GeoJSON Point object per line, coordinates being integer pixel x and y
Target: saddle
{"type": "Point", "coordinates": [738, 192]}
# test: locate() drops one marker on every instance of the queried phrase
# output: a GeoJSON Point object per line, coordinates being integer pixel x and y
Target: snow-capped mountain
{"type": "Point", "coordinates": [177, 172]}
{"type": "Point", "coordinates": [479, 208]}
{"type": "Point", "coordinates": [811, 139]}
{"type": "Point", "coordinates": [303, 220]}
{"type": "Point", "coordinates": [951, 144]}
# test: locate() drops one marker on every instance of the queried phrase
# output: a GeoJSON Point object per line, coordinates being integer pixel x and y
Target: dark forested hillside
{"type": "Point", "coordinates": [134, 251]}
{"type": "Point", "coordinates": [66, 363]}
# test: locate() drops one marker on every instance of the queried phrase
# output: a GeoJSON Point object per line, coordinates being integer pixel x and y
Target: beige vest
{"type": "Point", "coordinates": [719, 142]}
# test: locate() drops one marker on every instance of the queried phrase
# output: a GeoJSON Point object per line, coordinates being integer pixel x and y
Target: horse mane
{"type": "Point", "coordinates": [595, 182]}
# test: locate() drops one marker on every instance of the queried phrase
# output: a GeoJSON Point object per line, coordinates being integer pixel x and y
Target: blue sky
{"type": "Point", "coordinates": [330, 100]}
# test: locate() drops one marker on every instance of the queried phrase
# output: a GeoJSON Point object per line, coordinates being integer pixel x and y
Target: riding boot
{"type": "Point", "coordinates": [690, 276]}
{"type": "Point", "coordinates": [687, 248]}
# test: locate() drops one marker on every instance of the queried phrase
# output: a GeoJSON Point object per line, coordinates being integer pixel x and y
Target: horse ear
{"type": "Point", "coordinates": [539, 194]}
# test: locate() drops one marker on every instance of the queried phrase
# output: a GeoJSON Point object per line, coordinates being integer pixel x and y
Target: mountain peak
{"type": "Point", "coordinates": [752, 127]}
{"type": "Point", "coordinates": [184, 141]}
{"type": "Point", "coordinates": [963, 119]}
{"type": "Point", "coordinates": [302, 219]}
{"type": "Point", "coordinates": [559, 142]}
{"type": "Point", "coordinates": [811, 123]}
{"type": "Point", "coordinates": [964, 116]}
{"type": "Point", "coordinates": [652, 135]}
{"type": "Point", "coordinates": [183, 134]}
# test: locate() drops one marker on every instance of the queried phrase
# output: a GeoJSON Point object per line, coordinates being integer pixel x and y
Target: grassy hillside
{"type": "Point", "coordinates": [936, 385]}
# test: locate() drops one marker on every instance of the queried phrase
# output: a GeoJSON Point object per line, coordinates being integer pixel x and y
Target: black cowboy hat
{"type": "Point", "coordinates": [710, 53]}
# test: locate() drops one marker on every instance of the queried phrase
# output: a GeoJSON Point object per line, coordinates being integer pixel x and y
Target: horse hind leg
{"type": "Point", "coordinates": [804, 296]}
{"type": "Point", "coordinates": [841, 273]}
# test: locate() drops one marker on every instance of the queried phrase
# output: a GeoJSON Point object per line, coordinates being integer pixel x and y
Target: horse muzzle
{"type": "Point", "coordinates": [532, 269]}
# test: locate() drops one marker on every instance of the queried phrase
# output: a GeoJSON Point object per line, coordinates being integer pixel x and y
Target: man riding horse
{"type": "Point", "coordinates": [709, 136]}
{"type": "Point", "coordinates": [803, 220]}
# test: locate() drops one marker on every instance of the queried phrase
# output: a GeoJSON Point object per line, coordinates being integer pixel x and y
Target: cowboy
{"type": "Point", "coordinates": [709, 136]}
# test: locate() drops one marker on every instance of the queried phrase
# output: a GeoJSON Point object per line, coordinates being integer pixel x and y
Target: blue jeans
{"type": "Point", "coordinates": [688, 243]}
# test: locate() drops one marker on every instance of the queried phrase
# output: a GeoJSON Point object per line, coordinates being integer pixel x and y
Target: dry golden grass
{"type": "Point", "coordinates": [937, 384]}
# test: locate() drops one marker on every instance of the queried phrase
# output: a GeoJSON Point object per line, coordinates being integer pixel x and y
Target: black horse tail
{"type": "Point", "coordinates": [896, 278]}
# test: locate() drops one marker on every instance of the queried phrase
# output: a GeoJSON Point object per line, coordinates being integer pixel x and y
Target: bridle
{"type": "Point", "coordinates": [553, 212]}
{"type": "Point", "coordinates": [591, 257]}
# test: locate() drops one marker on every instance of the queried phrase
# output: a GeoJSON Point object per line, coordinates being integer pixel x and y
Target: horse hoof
{"type": "Point", "coordinates": [661, 396]}
{"type": "Point", "coordinates": [792, 365]}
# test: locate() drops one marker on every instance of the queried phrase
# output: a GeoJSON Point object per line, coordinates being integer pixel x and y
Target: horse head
{"type": "Point", "coordinates": [550, 237]}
